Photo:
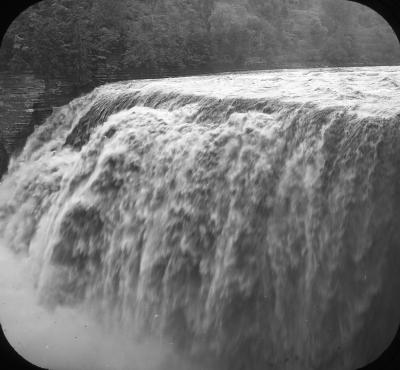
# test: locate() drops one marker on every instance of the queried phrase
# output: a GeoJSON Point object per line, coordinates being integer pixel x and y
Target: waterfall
{"type": "Point", "coordinates": [251, 220]}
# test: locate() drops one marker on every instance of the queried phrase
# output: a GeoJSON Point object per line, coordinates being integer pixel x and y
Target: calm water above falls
{"type": "Point", "coordinates": [244, 221]}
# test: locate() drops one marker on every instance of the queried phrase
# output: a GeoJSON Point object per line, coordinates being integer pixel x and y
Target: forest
{"type": "Point", "coordinates": [87, 41]}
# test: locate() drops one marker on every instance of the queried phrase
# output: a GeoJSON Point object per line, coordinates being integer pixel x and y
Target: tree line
{"type": "Point", "coordinates": [84, 41]}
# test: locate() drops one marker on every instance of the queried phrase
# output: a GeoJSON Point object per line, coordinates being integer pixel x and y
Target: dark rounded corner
{"type": "Point", "coordinates": [9, 357]}
{"type": "Point", "coordinates": [388, 9]}
{"type": "Point", "coordinates": [390, 358]}
{"type": "Point", "coordinates": [10, 11]}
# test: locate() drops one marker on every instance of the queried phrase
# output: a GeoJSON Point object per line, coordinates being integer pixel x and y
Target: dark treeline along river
{"type": "Point", "coordinates": [240, 221]}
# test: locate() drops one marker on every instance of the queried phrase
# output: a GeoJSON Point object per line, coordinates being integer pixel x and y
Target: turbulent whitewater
{"type": "Point", "coordinates": [241, 221]}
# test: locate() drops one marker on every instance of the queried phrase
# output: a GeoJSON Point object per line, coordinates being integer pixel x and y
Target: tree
{"type": "Point", "coordinates": [89, 41]}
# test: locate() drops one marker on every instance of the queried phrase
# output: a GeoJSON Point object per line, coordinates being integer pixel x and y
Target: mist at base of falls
{"type": "Point", "coordinates": [243, 221]}
{"type": "Point", "coordinates": [70, 338]}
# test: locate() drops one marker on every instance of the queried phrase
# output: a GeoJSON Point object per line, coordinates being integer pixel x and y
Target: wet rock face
{"type": "Point", "coordinates": [17, 95]}
{"type": "Point", "coordinates": [26, 103]}
{"type": "Point", "coordinates": [3, 159]}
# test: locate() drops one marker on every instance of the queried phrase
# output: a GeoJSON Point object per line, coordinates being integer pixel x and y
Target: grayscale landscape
{"type": "Point", "coordinates": [210, 185]}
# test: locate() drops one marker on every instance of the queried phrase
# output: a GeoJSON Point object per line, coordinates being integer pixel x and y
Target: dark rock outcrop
{"type": "Point", "coordinates": [3, 159]}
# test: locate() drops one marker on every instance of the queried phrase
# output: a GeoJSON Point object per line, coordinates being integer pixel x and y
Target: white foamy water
{"type": "Point", "coordinates": [236, 221]}
{"type": "Point", "coordinates": [372, 90]}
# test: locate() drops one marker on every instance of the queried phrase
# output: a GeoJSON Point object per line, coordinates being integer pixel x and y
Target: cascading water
{"type": "Point", "coordinates": [246, 221]}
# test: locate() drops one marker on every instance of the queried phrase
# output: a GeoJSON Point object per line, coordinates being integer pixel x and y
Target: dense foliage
{"type": "Point", "coordinates": [89, 40]}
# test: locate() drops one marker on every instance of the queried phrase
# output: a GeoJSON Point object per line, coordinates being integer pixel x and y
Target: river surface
{"type": "Point", "coordinates": [239, 221]}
